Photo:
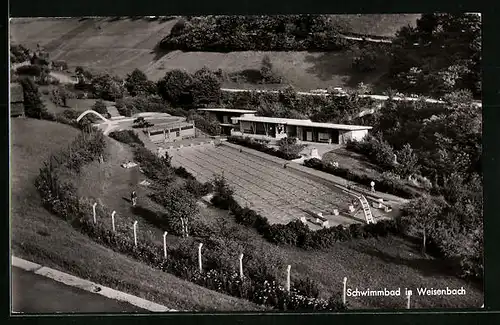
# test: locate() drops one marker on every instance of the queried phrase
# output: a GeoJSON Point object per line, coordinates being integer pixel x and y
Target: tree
{"type": "Point", "coordinates": [107, 87]}
{"type": "Point", "coordinates": [19, 54]}
{"type": "Point", "coordinates": [407, 161]}
{"type": "Point", "coordinates": [137, 83]}
{"type": "Point", "coordinates": [100, 107]}
{"type": "Point", "coordinates": [445, 48]}
{"type": "Point", "coordinates": [207, 124]}
{"type": "Point", "coordinates": [223, 193]}
{"type": "Point", "coordinates": [267, 71]}
{"type": "Point", "coordinates": [205, 88]}
{"type": "Point", "coordinates": [33, 104]}
{"type": "Point", "coordinates": [363, 89]}
{"type": "Point", "coordinates": [421, 216]}
{"type": "Point", "coordinates": [180, 206]}
{"type": "Point", "coordinates": [175, 87]}
{"type": "Point", "coordinates": [60, 96]}
{"type": "Point", "coordinates": [365, 60]}
{"type": "Point", "coordinates": [289, 97]}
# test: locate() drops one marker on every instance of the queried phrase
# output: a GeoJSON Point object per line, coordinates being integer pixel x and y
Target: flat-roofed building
{"type": "Point", "coordinates": [224, 116]}
{"type": "Point", "coordinates": [272, 128]}
{"type": "Point", "coordinates": [171, 131]}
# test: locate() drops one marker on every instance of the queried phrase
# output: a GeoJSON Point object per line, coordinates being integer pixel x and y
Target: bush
{"type": "Point", "coordinates": [127, 137]}
{"type": "Point", "coordinates": [250, 143]}
{"type": "Point", "coordinates": [289, 147]}
{"type": "Point", "coordinates": [29, 70]}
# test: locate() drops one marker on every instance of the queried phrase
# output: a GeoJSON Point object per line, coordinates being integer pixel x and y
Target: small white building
{"type": "Point", "coordinates": [272, 128]}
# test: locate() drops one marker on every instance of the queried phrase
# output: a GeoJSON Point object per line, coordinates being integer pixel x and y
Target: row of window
{"type": "Point", "coordinates": [187, 127]}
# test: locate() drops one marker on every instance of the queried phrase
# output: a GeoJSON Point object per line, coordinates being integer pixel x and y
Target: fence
{"type": "Point", "coordinates": [239, 259]}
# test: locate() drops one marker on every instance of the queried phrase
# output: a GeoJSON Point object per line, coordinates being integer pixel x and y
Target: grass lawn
{"type": "Point", "coordinates": [358, 164]}
{"type": "Point", "coordinates": [389, 263]}
{"type": "Point", "coordinates": [372, 263]}
{"type": "Point", "coordinates": [43, 238]}
{"type": "Point", "coordinates": [79, 105]}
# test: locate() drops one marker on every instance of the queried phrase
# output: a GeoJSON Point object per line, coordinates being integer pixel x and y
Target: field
{"type": "Point", "coordinates": [277, 193]}
{"type": "Point", "coordinates": [43, 238]}
{"type": "Point", "coordinates": [122, 45]}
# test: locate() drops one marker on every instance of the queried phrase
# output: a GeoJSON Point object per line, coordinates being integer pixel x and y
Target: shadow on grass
{"type": "Point", "coordinates": [248, 75]}
{"type": "Point", "coordinates": [339, 63]}
{"type": "Point", "coordinates": [159, 52]}
{"type": "Point", "coordinates": [429, 267]}
{"type": "Point", "coordinates": [154, 218]}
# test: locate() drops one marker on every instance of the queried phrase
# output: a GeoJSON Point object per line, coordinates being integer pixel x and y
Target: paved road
{"type": "Point", "coordinates": [33, 293]}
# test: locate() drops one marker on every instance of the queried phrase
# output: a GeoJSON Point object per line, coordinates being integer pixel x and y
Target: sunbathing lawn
{"type": "Point", "coordinates": [43, 238]}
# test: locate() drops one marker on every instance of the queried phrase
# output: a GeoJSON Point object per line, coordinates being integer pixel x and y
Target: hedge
{"type": "Point", "coordinates": [297, 234]}
{"type": "Point", "coordinates": [127, 137]}
{"type": "Point", "coordinates": [386, 185]}
{"type": "Point", "coordinates": [250, 143]}
{"type": "Point", "coordinates": [258, 286]}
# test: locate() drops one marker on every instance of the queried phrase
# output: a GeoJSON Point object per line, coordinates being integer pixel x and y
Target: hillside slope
{"type": "Point", "coordinates": [40, 236]}
{"type": "Point", "coordinates": [119, 46]}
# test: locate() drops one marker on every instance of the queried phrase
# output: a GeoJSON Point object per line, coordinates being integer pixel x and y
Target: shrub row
{"type": "Point", "coordinates": [60, 198]}
{"type": "Point", "coordinates": [182, 264]}
{"type": "Point", "coordinates": [251, 143]}
{"type": "Point", "coordinates": [384, 184]}
{"type": "Point", "coordinates": [127, 137]}
{"type": "Point", "coordinates": [303, 104]}
{"type": "Point", "coordinates": [297, 234]}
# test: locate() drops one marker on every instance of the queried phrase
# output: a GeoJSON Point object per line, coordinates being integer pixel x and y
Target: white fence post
{"type": "Point", "coordinates": [288, 278]}
{"type": "Point", "coordinates": [135, 233]}
{"type": "Point", "coordinates": [344, 292]}
{"type": "Point", "coordinates": [408, 302]}
{"type": "Point", "coordinates": [199, 257]}
{"type": "Point", "coordinates": [165, 244]}
{"type": "Point", "coordinates": [93, 209]}
{"type": "Point", "coordinates": [241, 266]}
{"type": "Point", "coordinates": [113, 220]}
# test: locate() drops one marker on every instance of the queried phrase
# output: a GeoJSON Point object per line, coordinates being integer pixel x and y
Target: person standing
{"type": "Point", "coordinates": [133, 197]}
{"type": "Point", "coordinates": [372, 184]}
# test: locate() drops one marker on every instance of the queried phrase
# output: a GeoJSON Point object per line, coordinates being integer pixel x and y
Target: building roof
{"type": "Point", "coordinates": [228, 110]}
{"type": "Point", "coordinates": [16, 93]}
{"type": "Point", "coordinates": [168, 125]}
{"type": "Point", "coordinates": [296, 122]}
